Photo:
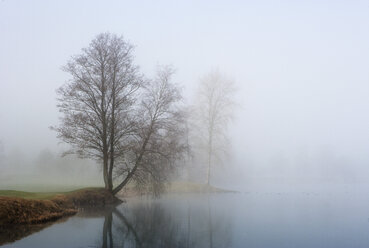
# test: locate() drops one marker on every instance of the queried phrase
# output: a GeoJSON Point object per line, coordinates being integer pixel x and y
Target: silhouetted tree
{"type": "Point", "coordinates": [159, 138]}
{"type": "Point", "coordinates": [104, 119]}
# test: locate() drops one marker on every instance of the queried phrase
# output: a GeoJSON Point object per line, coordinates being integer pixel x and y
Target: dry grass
{"type": "Point", "coordinates": [24, 211]}
{"type": "Point", "coordinates": [31, 208]}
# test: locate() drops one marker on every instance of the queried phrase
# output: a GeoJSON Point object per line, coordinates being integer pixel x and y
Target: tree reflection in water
{"type": "Point", "coordinates": [152, 225]}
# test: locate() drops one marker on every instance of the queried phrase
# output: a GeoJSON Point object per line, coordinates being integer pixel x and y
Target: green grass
{"type": "Point", "coordinates": [44, 187]}
{"type": "Point", "coordinates": [175, 187]}
{"type": "Point", "coordinates": [28, 195]}
{"type": "Point", "coordinates": [38, 195]}
{"type": "Point", "coordinates": [191, 187]}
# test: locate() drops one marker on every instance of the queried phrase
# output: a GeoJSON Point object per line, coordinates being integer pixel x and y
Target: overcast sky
{"type": "Point", "coordinates": [301, 68]}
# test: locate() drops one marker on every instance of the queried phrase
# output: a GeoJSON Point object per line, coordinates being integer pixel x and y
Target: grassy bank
{"type": "Point", "coordinates": [19, 207]}
{"type": "Point", "coordinates": [191, 187]}
{"type": "Point", "coordinates": [176, 188]}
{"type": "Point", "coordinates": [41, 195]}
{"type": "Point", "coordinates": [29, 195]}
{"type": "Point", "coordinates": [23, 213]}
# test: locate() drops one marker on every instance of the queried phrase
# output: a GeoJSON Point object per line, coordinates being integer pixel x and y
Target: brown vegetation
{"type": "Point", "coordinates": [21, 217]}
{"type": "Point", "coordinates": [21, 211]}
{"type": "Point", "coordinates": [14, 210]}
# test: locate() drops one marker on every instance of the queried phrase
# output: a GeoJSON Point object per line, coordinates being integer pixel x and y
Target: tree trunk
{"type": "Point", "coordinates": [209, 165]}
{"type": "Point", "coordinates": [105, 171]}
{"type": "Point", "coordinates": [110, 173]}
{"type": "Point", "coordinates": [210, 154]}
{"type": "Point", "coordinates": [112, 139]}
{"type": "Point", "coordinates": [132, 172]}
{"type": "Point", "coordinates": [126, 180]}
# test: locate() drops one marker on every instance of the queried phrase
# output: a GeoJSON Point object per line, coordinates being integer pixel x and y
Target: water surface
{"type": "Point", "coordinates": [304, 219]}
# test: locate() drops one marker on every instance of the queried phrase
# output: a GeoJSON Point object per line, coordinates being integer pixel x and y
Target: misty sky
{"type": "Point", "coordinates": [301, 68]}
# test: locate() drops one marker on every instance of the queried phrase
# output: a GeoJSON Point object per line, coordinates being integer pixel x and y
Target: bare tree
{"type": "Point", "coordinates": [211, 116]}
{"type": "Point", "coordinates": [2, 153]}
{"type": "Point", "coordinates": [103, 118]}
{"type": "Point", "coordinates": [159, 141]}
{"type": "Point", "coordinates": [96, 102]}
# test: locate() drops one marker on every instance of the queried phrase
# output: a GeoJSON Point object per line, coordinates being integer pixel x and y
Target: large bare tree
{"type": "Point", "coordinates": [211, 115]}
{"type": "Point", "coordinates": [103, 117]}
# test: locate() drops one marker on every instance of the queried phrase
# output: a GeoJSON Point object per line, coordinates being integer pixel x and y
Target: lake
{"type": "Point", "coordinates": [255, 219]}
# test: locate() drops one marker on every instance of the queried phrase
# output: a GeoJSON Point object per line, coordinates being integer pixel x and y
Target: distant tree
{"type": "Point", "coordinates": [2, 153]}
{"type": "Point", "coordinates": [45, 160]}
{"type": "Point", "coordinates": [211, 115]}
{"type": "Point", "coordinates": [104, 119]}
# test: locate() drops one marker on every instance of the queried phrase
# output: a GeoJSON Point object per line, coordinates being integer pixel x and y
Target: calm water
{"type": "Point", "coordinates": [217, 220]}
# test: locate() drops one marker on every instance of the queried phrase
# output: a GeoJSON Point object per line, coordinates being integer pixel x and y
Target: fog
{"type": "Point", "coordinates": [301, 71]}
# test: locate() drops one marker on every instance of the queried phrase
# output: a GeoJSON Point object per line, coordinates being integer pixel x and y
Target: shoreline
{"type": "Point", "coordinates": [176, 188]}
{"type": "Point", "coordinates": [24, 213]}
{"type": "Point", "coordinates": [21, 211]}
{"type": "Point", "coordinates": [18, 207]}
{"type": "Point", "coordinates": [21, 217]}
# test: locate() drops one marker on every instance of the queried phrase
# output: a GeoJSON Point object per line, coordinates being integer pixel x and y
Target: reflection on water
{"type": "Point", "coordinates": [10, 234]}
{"type": "Point", "coordinates": [306, 219]}
{"type": "Point", "coordinates": [171, 221]}
{"type": "Point", "coordinates": [152, 225]}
